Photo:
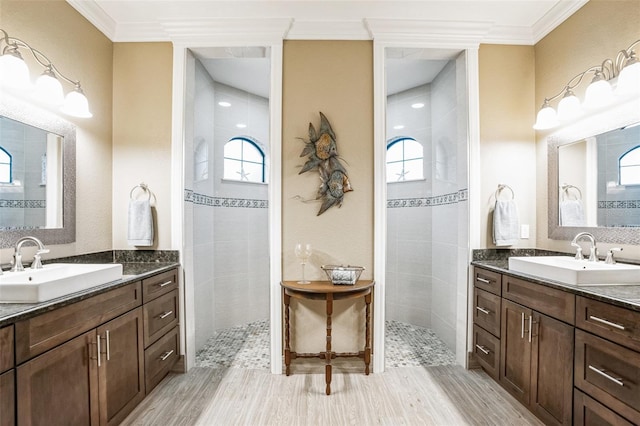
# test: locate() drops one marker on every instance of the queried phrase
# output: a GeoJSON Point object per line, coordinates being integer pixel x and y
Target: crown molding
{"type": "Point", "coordinates": [450, 33]}
{"type": "Point", "coordinates": [554, 17]}
{"type": "Point", "coordinates": [329, 30]}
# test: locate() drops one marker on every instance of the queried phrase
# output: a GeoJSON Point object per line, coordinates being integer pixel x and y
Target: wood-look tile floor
{"type": "Point", "coordinates": [445, 395]}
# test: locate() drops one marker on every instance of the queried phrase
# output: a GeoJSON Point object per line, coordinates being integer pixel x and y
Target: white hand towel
{"type": "Point", "coordinates": [505, 223]}
{"type": "Point", "coordinates": [140, 232]}
{"type": "Point", "coordinates": [571, 213]}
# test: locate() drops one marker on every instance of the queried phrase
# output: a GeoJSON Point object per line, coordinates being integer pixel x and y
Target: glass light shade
{"type": "Point", "coordinates": [599, 93]}
{"type": "Point", "coordinates": [76, 104]}
{"type": "Point", "coordinates": [14, 72]}
{"type": "Point", "coordinates": [629, 80]}
{"type": "Point", "coordinates": [49, 89]}
{"type": "Point", "coordinates": [569, 107]}
{"type": "Point", "coordinates": [546, 119]}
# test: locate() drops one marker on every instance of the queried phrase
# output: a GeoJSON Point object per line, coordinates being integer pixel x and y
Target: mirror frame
{"type": "Point", "coordinates": [35, 116]}
{"type": "Point", "coordinates": [618, 116]}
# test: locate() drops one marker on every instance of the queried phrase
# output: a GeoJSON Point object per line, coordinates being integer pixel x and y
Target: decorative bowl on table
{"type": "Point", "coordinates": [342, 275]}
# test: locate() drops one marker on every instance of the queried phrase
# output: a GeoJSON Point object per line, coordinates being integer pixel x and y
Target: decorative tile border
{"type": "Point", "coordinates": [438, 200]}
{"type": "Point", "coordinates": [626, 204]}
{"type": "Point", "coordinates": [23, 204]}
{"type": "Point", "coordinates": [207, 200]}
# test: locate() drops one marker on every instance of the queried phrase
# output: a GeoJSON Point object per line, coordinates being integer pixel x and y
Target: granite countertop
{"type": "Point", "coordinates": [627, 296]}
{"type": "Point", "coordinates": [135, 271]}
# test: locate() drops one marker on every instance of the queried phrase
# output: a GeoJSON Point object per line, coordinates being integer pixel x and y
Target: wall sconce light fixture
{"type": "Point", "coordinates": [624, 71]}
{"type": "Point", "coordinates": [14, 75]}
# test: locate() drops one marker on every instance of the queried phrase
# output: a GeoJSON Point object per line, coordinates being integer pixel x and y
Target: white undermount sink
{"type": "Point", "coordinates": [568, 270]}
{"type": "Point", "coordinates": [55, 280]}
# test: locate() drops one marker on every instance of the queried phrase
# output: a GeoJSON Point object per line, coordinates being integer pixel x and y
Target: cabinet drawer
{"type": "Point", "coordinates": [487, 280]}
{"type": "Point", "coordinates": [609, 373]}
{"type": "Point", "coordinates": [6, 348]}
{"type": "Point", "coordinates": [160, 357]}
{"type": "Point", "coordinates": [159, 284]}
{"type": "Point", "coordinates": [550, 301]}
{"type": "Point", "coordinates": [587, 411]}
{"type": "Point", "coordinates": [611, 322]}
{"type": "Point", "coordinates": [7, 399]}
{"type": "Point", "coordinates": [486, 311]}
{"type": "Point", "coordinates": [486, 347]}
{"type": "Point", "coordinates": [43, 332]}
{"type": "Point", "coordinates": [160, 316]}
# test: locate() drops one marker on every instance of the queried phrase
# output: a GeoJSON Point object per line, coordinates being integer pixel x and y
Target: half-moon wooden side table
{"type": "Point", "coordinates": [325, 290]}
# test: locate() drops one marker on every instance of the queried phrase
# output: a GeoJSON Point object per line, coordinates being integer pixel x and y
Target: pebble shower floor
{"type": "Point", "coordinates": [247, 347]}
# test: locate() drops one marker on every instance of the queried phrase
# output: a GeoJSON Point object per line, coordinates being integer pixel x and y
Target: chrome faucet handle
{"type": "Point", "coordinates": [610, 260]}
{"type": "Point", "coordinates": [37, 259]}
{"type": "Point", "coordinates": [579, 255]}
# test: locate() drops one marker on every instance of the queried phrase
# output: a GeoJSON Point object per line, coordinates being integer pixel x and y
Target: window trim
{"type": "Point", "coordinates": [395, 140]}
{"type": "Point", "coordinates": [620, 166]}
{"type": "Point", "coordinates": [257, 146]}
{"type": "Point", "coordinates": [9, 164]}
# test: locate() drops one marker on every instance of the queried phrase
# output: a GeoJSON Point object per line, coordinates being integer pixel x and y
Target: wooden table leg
{"type": "Point", "coordinates": [367, 333]}
{"type": "Point", "coordinates": [327, 367]}
{"type": "Point", "coordinates": [287, 345]}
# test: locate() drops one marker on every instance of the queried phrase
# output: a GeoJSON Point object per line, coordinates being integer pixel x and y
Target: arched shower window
{"type": "Point", "coordinates": [6, 164]}
{"type": "Point", "coordinates": [404, 160]}
{"type": "Point", "coordinates": [244, 160]}
{"type": "Point", "coordinates": [629, 167]}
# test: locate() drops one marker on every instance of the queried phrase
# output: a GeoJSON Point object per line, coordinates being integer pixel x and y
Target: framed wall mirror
{"type": "Point", "coordinates": [594, 177]}
{"type": "Point", "coordinates": [37, 174]}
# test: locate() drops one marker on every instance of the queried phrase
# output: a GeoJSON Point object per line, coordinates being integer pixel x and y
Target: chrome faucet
{"type": "Point", "coordinates": [593, 255]}
{"type": "Point", "coordinates": [17, 256]}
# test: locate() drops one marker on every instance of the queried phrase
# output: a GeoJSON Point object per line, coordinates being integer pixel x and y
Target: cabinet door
{"type": "Point", "coordinates": [515, 350]}
{"type": "Point", "coordinates": [7, 399]}
{"type": "Point", "coordinates": [59, 386]}
{"type": "Point", "coordinates": [121, 369]}
{"type": "Point", "coordinates": [552, 370]}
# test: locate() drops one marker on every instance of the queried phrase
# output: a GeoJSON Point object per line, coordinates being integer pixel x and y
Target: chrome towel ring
{"type": "Point", "coordinates": [144, 187]}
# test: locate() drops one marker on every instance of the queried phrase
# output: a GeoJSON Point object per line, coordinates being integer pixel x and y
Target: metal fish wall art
{"type": "Point", "coordinates": [322, 152]}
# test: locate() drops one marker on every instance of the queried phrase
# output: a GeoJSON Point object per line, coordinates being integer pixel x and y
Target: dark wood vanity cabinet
{"type": "Point", "coordinates": [535, 361]}
{"type": "Point", "coordinates": [607, 362]}
{"type": "Point", "coordinates": [86, 363]}
{"type": "Point", "coordinates": [7, 377]}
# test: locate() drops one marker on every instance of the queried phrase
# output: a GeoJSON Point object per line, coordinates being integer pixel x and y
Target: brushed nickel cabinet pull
{"type": "Point", "coordinates": [166, 355]}
{"type": "Point", "coordinates": [483, 310]}
{"type": "Point", "coordinates": [98, 343]}
{"type": "Point", "coordinates": [603, 373]}
{"type": "Point", "coordinates": [165, 283]}
{"type": "Point", "coordinates": [165, 314]}
{"type": "Point", "coordinates": [609, 323]}
{"type": "Point", "coordinates": [483, 280]}
{"type": "Point", "coordinates": [108, 345]}
{"type": "Point", "coordinates": [483, 349]}
{"type": "Point", "coordinates": [522, 326]}
{"type": "Point", "coordinates": [530, 327]}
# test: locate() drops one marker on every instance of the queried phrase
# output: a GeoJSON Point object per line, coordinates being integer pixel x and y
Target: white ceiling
{"type": "Point", "coordinates": [490, 21]}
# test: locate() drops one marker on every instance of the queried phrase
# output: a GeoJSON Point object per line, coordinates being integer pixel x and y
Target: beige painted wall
{"type": "Point", "coordinates": [507, 143]}
{"type": "Point", "coordinates": [84, 53]}
{"type": "Point", "coordinates": [142, 134]}
{"type": "Point", "coordinates": [597, 31]}
{"type": "Point", "coordinates": [335, 77]}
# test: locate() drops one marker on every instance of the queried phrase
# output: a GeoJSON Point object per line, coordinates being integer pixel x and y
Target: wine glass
{"type": "Point", "coordinates": [303, 252]}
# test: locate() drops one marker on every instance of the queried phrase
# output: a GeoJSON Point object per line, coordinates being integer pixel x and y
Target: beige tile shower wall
{"type": "Point", "coordinates": [82, 52]}
{"type": "Point", "coordinates": [142, 134]}
{"type": "Point", "coordinates": [594, 33]}
{"type": "Point", "coordinates": [335, 77]}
